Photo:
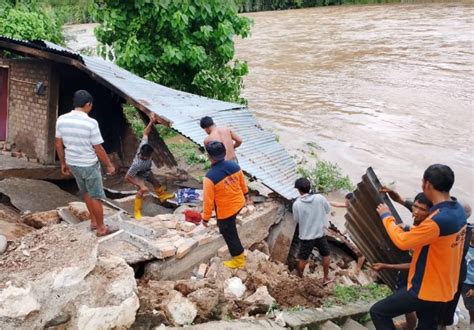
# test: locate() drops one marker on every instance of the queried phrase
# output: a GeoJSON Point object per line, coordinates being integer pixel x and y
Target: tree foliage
{"type": "Point", "coordinates": [183, 44]}
{"type": "Point", "coordinates": [29, 21]}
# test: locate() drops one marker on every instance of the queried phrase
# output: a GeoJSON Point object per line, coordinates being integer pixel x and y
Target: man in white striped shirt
{"type": "Point", "coordinates": [81, 136]}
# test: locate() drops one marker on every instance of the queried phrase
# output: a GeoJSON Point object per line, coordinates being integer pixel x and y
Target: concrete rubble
{"type": "Point", "coordinates": [62, 275]}
{"type": "Point", "coordinates": [57, 271]}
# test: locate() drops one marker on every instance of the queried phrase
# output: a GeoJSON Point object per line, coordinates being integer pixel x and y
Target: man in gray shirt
{"type": "Point", "coordinates": [310, 211]}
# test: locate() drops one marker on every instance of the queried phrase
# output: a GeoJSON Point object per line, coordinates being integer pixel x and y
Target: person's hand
{"type": "Point", "coordinates": [110, 169]}
{"type": "Point", "coordinates": [65, 170]}
{"type": "Point", "coordinates": [470, 293]}
{"type": "Point", "coordinates": [382, 208]}
{"type": "Point", "coordinates": [392, 193]}
{"type": "Point", "coordinates": [378, 266]}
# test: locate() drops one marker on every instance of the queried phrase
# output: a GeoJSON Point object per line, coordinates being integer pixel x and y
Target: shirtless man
{"type": "Point", "coordinates": [225, 135]}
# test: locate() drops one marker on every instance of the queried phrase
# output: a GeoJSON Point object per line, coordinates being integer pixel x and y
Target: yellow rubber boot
{"type": "Point", "coordinates": [236, 262]}
{"type": "Point", "coordinates": [163, 194]}
{"type": "Point", "coordinates": [137, 210]}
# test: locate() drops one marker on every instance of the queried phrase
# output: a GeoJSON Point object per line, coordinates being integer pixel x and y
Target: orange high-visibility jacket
{"type": "Point", "coordinates": [438, 246]}
{"type": "Point", "coordinates": [224, 189]}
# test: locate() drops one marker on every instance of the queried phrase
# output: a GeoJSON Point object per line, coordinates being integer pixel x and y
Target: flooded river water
{"type": "Point", "coordinates": [386, 86]}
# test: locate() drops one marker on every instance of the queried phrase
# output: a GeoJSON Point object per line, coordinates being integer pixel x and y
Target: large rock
{"type": "Point", "coordinates": [3, 244]}
{"type": "Point", "coordinates": [261, 296]}
{"type": "Point", "coordinates": [39, 220]}
{"type": "Point", "coordinates": [234, 288]}
{"type": "Point", "coordinates": [206, 300]}
{"type": "Point", "coordinates": [180, 310]}
{"type": "Point", "coordinates": [56, 272]}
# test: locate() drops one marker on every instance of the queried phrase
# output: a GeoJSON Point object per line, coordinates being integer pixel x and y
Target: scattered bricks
{"type": "Point", "coordinates": [201, 271]}
{"type": "Point", "coordinates": [16, 154]}
{"type": "Point", "coordinates": [171, 224]}
{"type": "Point", "coordinates": [185, 247]}
{"type": "Point", "coordinates": [166, 250]}
{"type": "Point", "coordinates": [186, 226]}
{"type": "Point", "coordinates": [239, 219]}
{"type": "Point", "coordinates": [223, 251]}
{"type": "Point", "coordinates": [212, 270]}
{"type": "Point", "coordinates": [204, 239]}
{"type": "Point", "coordinates": [180, 241]}
{"type": "Point", "coordinates": [197, 231]}
{"type": "Point", "coordinates": [33, 160]}
{"type": "Point", "coordinates": [165, 217]}
{"type": "Point", "coordinates": [251, 209]}
{"type": "Point", "coordinates": [6, 153]}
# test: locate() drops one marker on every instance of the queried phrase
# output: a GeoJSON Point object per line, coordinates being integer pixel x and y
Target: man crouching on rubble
{"type": "Point", "coordinates": [80, 134]}
{"type": "Point", "coordinates": [437, 245]}
{"type": "Point", "coordinates": [140, 172]}
{"type": "Point", "coordinates": [226, 190]}
{"type": "Point", "coordinates": [310, 211]}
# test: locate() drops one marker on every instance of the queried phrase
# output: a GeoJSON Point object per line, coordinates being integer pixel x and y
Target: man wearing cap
{"type": "Point", "coordinates": [226, 191]}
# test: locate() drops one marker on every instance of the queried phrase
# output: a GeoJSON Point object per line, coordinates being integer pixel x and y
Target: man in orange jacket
{"type": "Point", "coordinates": [226, 191]}
{"type": "Point", "coordinates": [437, 245]}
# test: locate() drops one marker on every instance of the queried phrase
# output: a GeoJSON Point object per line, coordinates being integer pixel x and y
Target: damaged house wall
{"type": "Point", "coordinates": [28, 113]}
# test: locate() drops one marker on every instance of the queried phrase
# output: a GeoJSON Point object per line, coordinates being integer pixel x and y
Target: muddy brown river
{"type": "Point", "coordinates": [387, 86]}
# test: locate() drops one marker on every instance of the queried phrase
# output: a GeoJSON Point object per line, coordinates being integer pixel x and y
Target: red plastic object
{"type": "Point", "coordinates": [192, 216]}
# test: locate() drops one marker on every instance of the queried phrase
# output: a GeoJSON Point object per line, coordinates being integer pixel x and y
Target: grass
{"type": "Point", "coordinates": [343, 295]}
{"type": "Point", "coordinates": [190, 153]}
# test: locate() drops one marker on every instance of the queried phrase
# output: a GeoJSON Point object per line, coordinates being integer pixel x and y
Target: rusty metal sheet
{"type": "Point", "coordinates": [366, 229]}
{"type": "Point", "coordinates": [260, 155]}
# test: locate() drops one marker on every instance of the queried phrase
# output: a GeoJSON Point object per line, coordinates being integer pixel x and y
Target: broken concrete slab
{"type": "Point", "coordinates": [280, 238]}
{"type": "Point", "coordinates": [185, 247]}
{"type": "Point", "coordinates": [11, 167]}
{"type": "Point", "coordinates": [247, 324]}
{"type": "Point", "coordinates": [39, 220]}
{"type": "Point", "coordinates": [261, 296]}
{"type": "Point", "coordinates": [34, 195]}
{"type": "Point", "coordinates": [350, 324]}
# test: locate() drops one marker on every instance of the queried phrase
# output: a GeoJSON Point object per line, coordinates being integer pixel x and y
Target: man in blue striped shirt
{"type": "Point", "coordinates": [81, 136]}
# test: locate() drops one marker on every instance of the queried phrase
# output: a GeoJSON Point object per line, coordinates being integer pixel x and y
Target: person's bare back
{"type": "Point", "coordinates": [229, 138]}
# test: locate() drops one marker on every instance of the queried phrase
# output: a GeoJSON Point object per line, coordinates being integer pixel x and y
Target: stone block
{"type": "Point", "coordinates": [204, 239]}
{"type": "Point", "coordinates": [328, 325]}
{"type": "Point", "coordinates": [41, 219]}
{"type": "Point", "coordinates": [201, 273]}
{"type": "Point", "coordinates": [166, 250]}
{"type": "Point", "coordinates": [79, 210]}
{"type": "Point", "coordinates": [350, 324]}
{"type": "Point", "coordinates": [186, 226]}
{"type": "Point", "coordinates": [185, 247]}
{"type": "Point", "coordinates": [223, 251]}
{"type": "Point", "coordinates": [171, 224]}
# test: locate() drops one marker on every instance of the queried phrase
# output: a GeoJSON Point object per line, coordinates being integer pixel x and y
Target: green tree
{"type": "Point", "coordinates": [27, 20]}
{"type": "Point", "coordinates": [183, 44]}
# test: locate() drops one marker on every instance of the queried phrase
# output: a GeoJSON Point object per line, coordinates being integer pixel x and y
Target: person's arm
{"type": "Point", "coordinates": [395, 196]}
{"type": "Point", "coordinates": [380, 266]}
{"type": "Point", "coordinates": [104, 158]}
{"type": "Point", "coordinates": [337, 204]}
{"type": "Point", "coordinates": [418, 236]}
{"type": "Point", "coordinates": [60, 150]}
{"type": "Point", "coordinates": [148, 128]}
{"type": "Point", "coordinates": [236, 138]}
{"type": "Point", "coordinates": [208, 200]}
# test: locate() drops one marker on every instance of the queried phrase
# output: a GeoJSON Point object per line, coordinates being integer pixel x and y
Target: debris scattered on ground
{"type": "Point", "coordinates": [39, 220]}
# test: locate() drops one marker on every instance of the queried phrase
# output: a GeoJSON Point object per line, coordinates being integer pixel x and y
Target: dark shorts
{"type": "Point", "coordinates": [468, 301]}
{"type": "Point", "coordinates": [89, 180]}
{"type": "Point", "coordinates": [306, 247]}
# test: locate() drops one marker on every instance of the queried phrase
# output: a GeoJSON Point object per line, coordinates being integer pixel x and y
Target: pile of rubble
{"type": "Point", "coordinates": [56, 276]}
{"type": "Point", "coordinates": [215, 292]}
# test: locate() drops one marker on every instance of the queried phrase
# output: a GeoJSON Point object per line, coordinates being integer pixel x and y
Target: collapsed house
{"type": "Point", "coordinates": [36, 87]}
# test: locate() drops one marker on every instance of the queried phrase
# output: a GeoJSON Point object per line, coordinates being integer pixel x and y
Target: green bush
{"type": "Point", "coordinates": [325, 176]}
{"type": "Point", "coordinates": [343, 295]}
{"type": "Point", "coordinates": [27, 21]}
{"type": "Point", "coordinates": [187, 45]}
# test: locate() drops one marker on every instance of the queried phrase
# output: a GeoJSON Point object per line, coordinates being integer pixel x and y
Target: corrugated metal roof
{"type": "Point", "coordinates": [44, 45]}
{"type": "Point", "coordinates": [260, 155]}
{"type": "Point", "coordinates": [366, 228]}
